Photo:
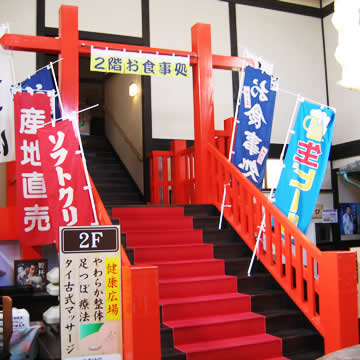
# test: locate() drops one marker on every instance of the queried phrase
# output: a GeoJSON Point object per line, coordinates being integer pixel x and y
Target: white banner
{"type": "Point", "coordinates": [7, 140]}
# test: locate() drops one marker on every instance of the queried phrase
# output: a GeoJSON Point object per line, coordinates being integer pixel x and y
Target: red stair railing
{"type": "Point", "coordinates": [322, 284]}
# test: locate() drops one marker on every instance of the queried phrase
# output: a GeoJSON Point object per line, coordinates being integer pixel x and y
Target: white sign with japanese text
{"type": "Point", "coordinates": [90, 293]}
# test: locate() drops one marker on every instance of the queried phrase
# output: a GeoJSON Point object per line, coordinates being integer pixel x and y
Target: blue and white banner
{"type": "Point", "coordinates": [42, 81]}
{"type": "Point", "coordinates": [7, 139]}
{"type": "Point", "coordinates": [305, 163]}
{"type": "Point", "coordinates": [255, 117]}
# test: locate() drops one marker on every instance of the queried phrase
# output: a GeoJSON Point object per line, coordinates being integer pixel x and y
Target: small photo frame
{"type": "Point", "coordinates": [31, 273]}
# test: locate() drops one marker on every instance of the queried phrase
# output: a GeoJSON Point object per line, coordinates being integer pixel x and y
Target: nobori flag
{"type": "Point", "coordinates": [305, 163]}
{"type": "Point", "coordinates": [253, 132]}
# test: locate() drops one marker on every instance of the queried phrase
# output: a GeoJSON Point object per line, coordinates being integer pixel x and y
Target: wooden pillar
{"type": "Point", "coordinates": [178, 172]}
{"type": "Point", "coordinates": [338, 300]}
{"type": "Point", "coordinates": [203, 108]}
{"type": "Point", "coordinates": [69, 53]}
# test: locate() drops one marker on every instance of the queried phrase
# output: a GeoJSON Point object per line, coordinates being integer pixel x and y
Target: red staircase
{"type": "Point", "coordinates": [208, 317]}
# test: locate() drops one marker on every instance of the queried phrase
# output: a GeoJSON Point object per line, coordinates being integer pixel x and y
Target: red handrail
{"type": "Point", "coordinates": [307, 274]}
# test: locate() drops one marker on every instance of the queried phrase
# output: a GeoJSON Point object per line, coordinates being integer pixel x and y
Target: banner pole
{"type": "Point", "coordinates": [262, 226]}
{"type": "Point", "coordinates": [96, 221]}
{"type": "Point", "coordinates": [236, 121]}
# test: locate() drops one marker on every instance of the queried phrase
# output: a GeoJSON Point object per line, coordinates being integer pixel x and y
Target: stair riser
{"type": "Point", "coordinates": [163, 238]}
{"type": "Point", "coordinates": [172, 271]}
{"type": "Point", "coordinates": [208, 308]}
{"type": "Point", "coordinates": [267, 302]}
{"type": "Point", "coordinates": [285, 321]}
{"type": "Point", "coordinates": [166, 336]}
{"type": "Point", "coordinates": [155, 224]}
{"type": "Point", "coordinates": [241, 267]}
{"type": "Point", "coordinates": [206, 223]}
{"type": "Point", "coordinates": [296, 344]}
{"type": "Point", "coordinates": [246, 352]}
{"type": "Point", "coordinates": [197, 288]}
{"type": "Point", "coordinates": [230, 251]}
{"type": "Point", "coordinates": [151, 211]}
{"type": "Point", "coordinates": [217, 236]}
{"type": "Point", "coordinates": [190, 252]}
{"type": "Point", "coordinates": [200, 210]}
{"type": "Point", "coordinates": [255, 282]}
{"type": "Point", "coordinates": [194, 334]}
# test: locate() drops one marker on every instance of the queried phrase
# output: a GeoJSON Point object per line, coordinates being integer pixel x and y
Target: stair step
{"type": "Point", "coordinates": [240, 266]}
{"type": "Point", "coordinates": [206, 222]}
{"type": "Point", "coordinates": [246, 347]}
{"type": "Point", "coordinates": [215, 235]}
{"type": "Point", "coordinates": [188, 331]}
{"type": "Point", "coordinates": [267, 299]}
{"type": "Point", "coordinates": [230, 250]}
{"type": "Point", "coordinates": [200, 210]}
{"type": "Point", "coordinates": [149, 211]}
{"type": "Point", "coordinates": [151, 254]}
{"type": "Point", "coordinates": [167, 237]}
{"type": "Point", "coordinates": [256, 281]}
{"type": "Point", "coordinates": [283, 319]}
{"type": "Point", "coordinates": [172, 354]}
{"type": "Point", "coordinates": [220, 304]}
{"type": "Point", "coordinates": [197, 286]}
{"type": "Point", "coordinates": [189, 268]}
{"type": "Point", "coordinates": [295, 340]}
{"type": "Point", "coordinates": [163, 223]}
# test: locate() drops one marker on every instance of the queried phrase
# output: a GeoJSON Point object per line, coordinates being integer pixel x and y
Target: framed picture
{"type": "Point", "coordinates": [31, 273]}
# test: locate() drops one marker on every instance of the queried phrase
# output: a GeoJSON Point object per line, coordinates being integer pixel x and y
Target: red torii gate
{"type": "Point", "coordinates": [139, 283]}
{"type": "Point", "coordinates": [69, 48]}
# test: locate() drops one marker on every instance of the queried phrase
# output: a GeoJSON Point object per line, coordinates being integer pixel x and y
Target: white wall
{"type": "Point", "coordinates": [172, 99]}
{"type": "Point", "coordinates": [344, 100]}
{"type": "Point", "coordinates": [21, 17]}
{"type": "Point", "coordinates": [20, 22]}
{"type": "Point", "coordinates": [120, 17]}
{"type": "Point", "coordinates": [293, 43]}
{"type": "Point", "coordinates": [123, 123]}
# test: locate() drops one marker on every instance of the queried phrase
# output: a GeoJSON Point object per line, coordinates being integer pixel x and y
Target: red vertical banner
{"type": "Point", "coordinates": [64, 176]}
{"type": "Point", "coordinates": [31, 111]}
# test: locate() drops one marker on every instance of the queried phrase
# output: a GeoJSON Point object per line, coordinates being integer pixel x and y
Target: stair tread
{"type": "Point", "coordinates": [172, 246]}
{"type": "Point", "coordinates": [214, 319]}
{"type": "Point", "coordinates": [203, 298]}
{"type": "Point", "coordinates": [306, 355]}
{"type": "Point", "coordinates": [180, 262]}
{"type": "Point", "coordinates": [293, 333]}
{"type": "Point", "coordinates": [227, 343]}
{"type": "Point", "coordinates": [195, 279]}
{"type": "Point", "coordinates": [280, 311]}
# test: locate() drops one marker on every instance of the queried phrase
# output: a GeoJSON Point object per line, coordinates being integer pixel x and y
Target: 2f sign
{"type": "Point", "coordinates": [78, 239]}
{"type": "Point", "coordinates": [86, 243]}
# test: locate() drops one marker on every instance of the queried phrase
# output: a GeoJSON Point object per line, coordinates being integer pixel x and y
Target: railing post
{"type": "Point", "coordinates": [203, 108]}
{"type": "Point", "coordinates": [178, 171]}
{"type": "Point", "coordinates": [338, 300]}
{"type": "Point", "coordinates": [141, 312]}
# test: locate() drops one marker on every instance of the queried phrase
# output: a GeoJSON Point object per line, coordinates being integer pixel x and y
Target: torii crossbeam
{"type": "Point", "coordinates": [69, 48]}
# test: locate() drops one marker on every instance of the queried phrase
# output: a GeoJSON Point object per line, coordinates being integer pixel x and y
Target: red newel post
{"type": "Point", "coordinates": [69, 53]}
{"type": "Point", "coordinates": [203, 108]}
{"type": "Point", "coordinates": [338, 300]}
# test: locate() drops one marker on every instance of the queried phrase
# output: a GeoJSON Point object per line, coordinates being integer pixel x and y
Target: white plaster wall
{"type": "Point", "coordinates": [293, 43]}
{"type": "Point", "coordinates": [346, 102]}
{"type": "Point", "coordinates": [21, 17]}
{"type": "Point", "coordinates": [121, 17]}
{"type": "Point", "coordinates": [123, 115]}
{"type": "Point", "coordinates": [172, 99]}
{"type": "Point", "coordinates": [20, 22]}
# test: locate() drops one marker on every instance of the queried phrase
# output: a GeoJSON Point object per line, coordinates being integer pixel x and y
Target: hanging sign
{"type": "Point", "coordinates": [122, 62]}
{"type": "Point", "coordinates": [305, 163]}
{"type": "Point", "coordinates": [31, 113]}
{"type": "Point", "coordinates": [64, 175]}
{"type": "Point", "coordinates": [255, 117]}
{"type": "Point", "coordinates": [7, 139]}
{"type": "Point", "coordinates": [90, 293]}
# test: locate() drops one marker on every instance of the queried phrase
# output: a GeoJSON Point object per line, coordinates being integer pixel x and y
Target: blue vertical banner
{"type": "Point", "coordinates": [42, 81]}
{"type": "Point", "coordinates": [305, 163]}
{"type": "Point", "coordinates": [255, 116]}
